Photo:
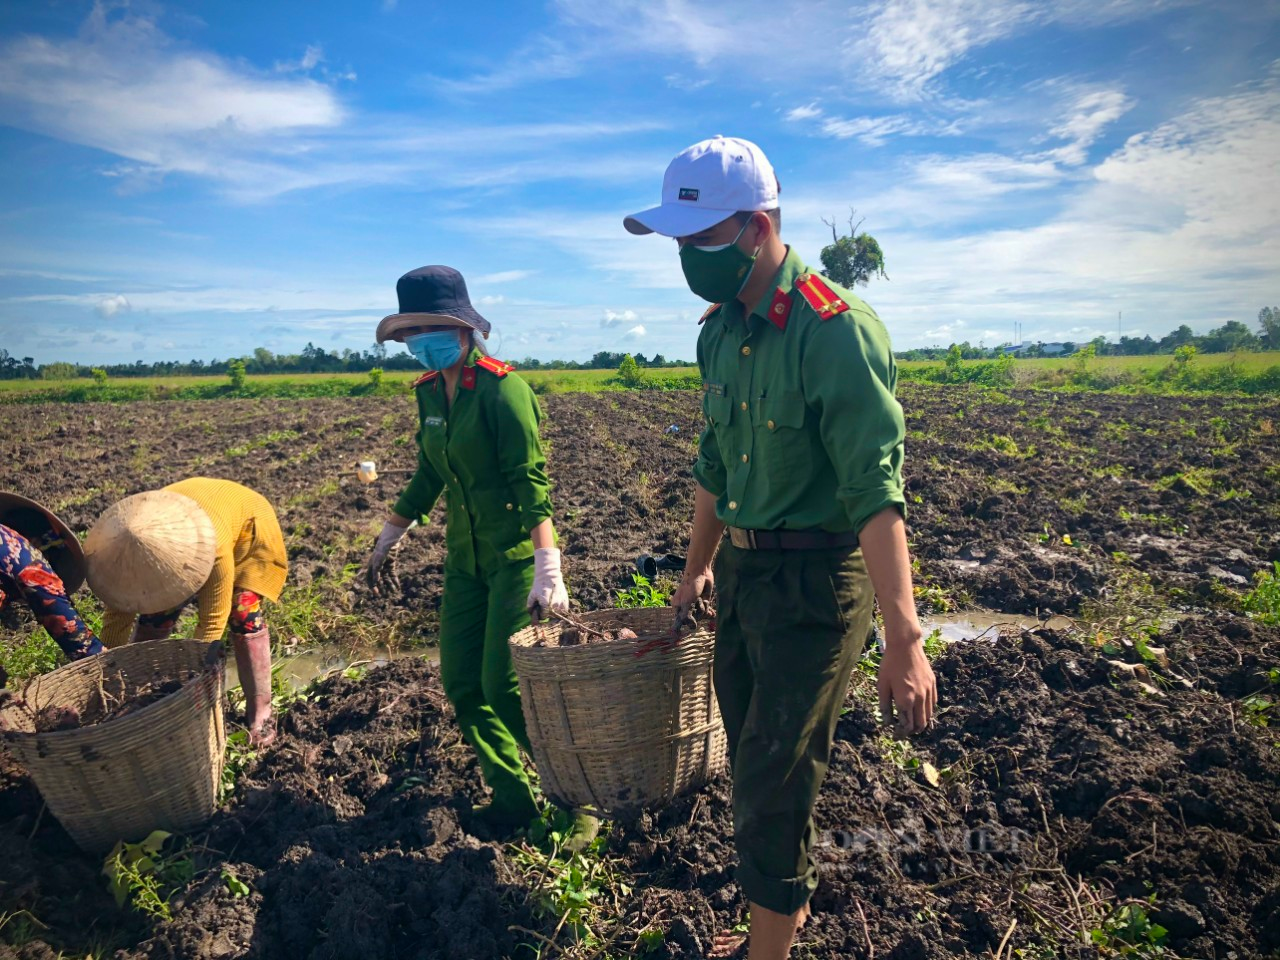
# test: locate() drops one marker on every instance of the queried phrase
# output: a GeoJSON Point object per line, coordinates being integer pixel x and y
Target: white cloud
{"type": "Point", "coordinates": [1090, 113]}
{"type": "Point", "coordinates": [635, 333]}
{"type": "Point", "coordinates": [613, 318]}
{"type": "Point", "coordinates": [312, 57]}
{"type": "Point", "coordinates": [910, 42]}
{"type": "Point", "coordinates": [489, 301]}
{"type": "Point", "coordinates": [124, 87]}
{"type": "Point", "coordinates": [108, 307]}
{"type": "Point", "coordinates": [807, 112]}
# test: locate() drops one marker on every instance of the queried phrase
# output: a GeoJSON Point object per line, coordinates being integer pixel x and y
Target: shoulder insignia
{"type": "Point", "coordinates": [821, 297]}
{"type": "Point", "coordinates": [496, 367]}
{"type": "Point", "coordinates": [426, 378]}
{"type": "Point", "coordinates": [780, 308]}
{"type": "Point", "coordinates": [709, 311]}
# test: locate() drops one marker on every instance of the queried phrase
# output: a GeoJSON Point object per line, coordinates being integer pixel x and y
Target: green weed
{"type": "Point", "coordinates": [239, 755]}
{"type": "Point", "coordinates": [275, 436]}
{"type": "Point", "coordinates": [1263, 601]}
{"type": "Point", "coordinates": [1129, 932]}
{"type": "Point", "coordinates": [145, 876]}
{"type": "Point", "coordinates": [642, 594]}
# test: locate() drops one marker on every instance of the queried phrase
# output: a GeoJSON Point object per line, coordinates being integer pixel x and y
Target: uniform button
{"type": "Point", "coordinates": [803, 278]}
{"type": "Point", "coordinates": [745, 458]}
{"type": "Point", "coordinates": [771, 424]}
{"type": "Point", "coordinates": [510, 507]}
{"type": "Point", "coordinates": [733, 504]}
{"type": "Point", "coordinates": [746, 351]}
{"type": "Point", "coordinates": [744, 404]}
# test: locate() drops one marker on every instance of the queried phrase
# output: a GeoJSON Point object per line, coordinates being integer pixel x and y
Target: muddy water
{"type": "Point", "coordinates": [968, 625]}
{"type": "Point", "coordinates": [313, 662]}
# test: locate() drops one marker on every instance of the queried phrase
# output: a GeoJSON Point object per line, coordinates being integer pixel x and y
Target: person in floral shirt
{"type": "Point", "coordinates": [41, 565]}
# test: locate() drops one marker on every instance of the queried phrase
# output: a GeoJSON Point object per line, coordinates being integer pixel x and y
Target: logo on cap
{"type": "Point", "coordinates": [688, 193]}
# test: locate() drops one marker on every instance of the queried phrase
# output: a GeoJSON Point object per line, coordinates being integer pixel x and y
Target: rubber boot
{"type": "Point", "coordinates": [253, 662]}
{"type": "Point", "coordinates": [584, 829]}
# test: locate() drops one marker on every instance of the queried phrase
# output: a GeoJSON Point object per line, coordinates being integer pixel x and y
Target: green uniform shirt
{"type": "Point", "coordinates": [803, 430]}
{"type": "Point", "coordinates": [486, 454]}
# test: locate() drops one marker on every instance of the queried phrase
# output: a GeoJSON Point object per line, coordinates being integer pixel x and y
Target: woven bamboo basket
{"type": "Point", "coordinates": [617, 731]}
{"type": "Point", "coordinates": [156, 768]}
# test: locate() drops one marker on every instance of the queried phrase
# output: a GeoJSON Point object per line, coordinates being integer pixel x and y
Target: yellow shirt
{"type": "Point", "coordinates": [250, 556]}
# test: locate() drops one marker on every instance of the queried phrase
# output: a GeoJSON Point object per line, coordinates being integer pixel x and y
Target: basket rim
{"type": "Point", "coordinates": [214, 658]}
{"type": "Point", "coordinates": [620, 614]}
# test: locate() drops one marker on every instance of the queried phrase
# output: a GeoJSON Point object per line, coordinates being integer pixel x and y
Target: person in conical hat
{"type": "Point", "coordinates": [42, 565]}
{"type": "Point", "coordinates": [214, 542]}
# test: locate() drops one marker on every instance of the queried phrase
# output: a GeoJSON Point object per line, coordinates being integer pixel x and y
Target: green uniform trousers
{"type": "Point", "coordinates": [791, 624]}
{"type": "Point", "coordinates": [479, 614]}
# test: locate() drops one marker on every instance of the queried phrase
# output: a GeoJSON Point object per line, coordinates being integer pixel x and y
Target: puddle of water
{"type": "Point", "coordinates": [968, 625]}
{"type": "Point", "coordinates": [318, 660]}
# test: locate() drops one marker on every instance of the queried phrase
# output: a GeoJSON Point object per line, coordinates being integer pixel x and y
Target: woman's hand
{"type": "Point", "coordinates": [548, 591]}
{"type": "Point", "coordinates": [395, 528]}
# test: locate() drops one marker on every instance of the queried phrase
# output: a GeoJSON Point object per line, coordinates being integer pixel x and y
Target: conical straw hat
{"type": "Point", "coordinates": [150, 552]}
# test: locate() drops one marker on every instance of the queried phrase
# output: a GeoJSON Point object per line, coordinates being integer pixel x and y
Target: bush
{"type": "Point", "coordinates": [375, 377]}
{"type": "Point", "coordinates": [99, 376]}
{"type": "Point", "coordinates": [58, 371]}
{"type": "Point", "coordinates": [235, 370]}
{"type": "Point", "coordinates": [629, 372]}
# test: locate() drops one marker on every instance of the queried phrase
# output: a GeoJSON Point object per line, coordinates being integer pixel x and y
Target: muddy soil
{"type": "Point", "coordinates": [1186, 488]}
{"type": "Point", "coordinates": [1066, 790]}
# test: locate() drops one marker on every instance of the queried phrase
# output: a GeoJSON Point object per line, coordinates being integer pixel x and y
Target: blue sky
{"type": "Point", "coordinates": [196, 179]}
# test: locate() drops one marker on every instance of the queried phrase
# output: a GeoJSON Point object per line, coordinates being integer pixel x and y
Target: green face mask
{"type": "Point", "coordinates": [718, 273]}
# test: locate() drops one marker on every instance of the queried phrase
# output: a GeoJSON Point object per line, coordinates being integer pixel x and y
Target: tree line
{"type": "Point", "coordinates": [1232, 337]}
{"type": "Point", "coordinates": [312, 359]}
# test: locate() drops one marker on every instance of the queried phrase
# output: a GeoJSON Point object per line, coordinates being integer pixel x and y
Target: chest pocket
{"type": "Point", "coordinates": [783, 446]}
{"type": "Point", "coordinates": [718, 409]}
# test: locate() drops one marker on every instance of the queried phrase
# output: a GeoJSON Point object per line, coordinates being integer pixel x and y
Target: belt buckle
{"type": "Point", "coordinates": [742, 539]}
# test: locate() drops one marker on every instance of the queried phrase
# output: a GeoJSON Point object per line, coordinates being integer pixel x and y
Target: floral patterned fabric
{"type": "Point", "coordinates": [246, 618]}
{"type": "Point", "coordinates": [25, 574]}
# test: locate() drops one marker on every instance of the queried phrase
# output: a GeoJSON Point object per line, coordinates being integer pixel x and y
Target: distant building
{"type": "Point", "coordinates": [1038, 349]}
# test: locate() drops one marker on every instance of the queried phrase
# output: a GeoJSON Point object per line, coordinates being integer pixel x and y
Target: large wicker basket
{"type": "Point", "coordinates": [156, 768]}
{"type": "Point", "coordinates": [614, 730]}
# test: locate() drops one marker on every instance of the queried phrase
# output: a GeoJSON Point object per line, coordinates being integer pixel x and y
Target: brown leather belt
{"type": "Point", "coordinates": [790, 539]}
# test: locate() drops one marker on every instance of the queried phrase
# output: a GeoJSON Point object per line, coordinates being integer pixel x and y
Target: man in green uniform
{"type": "Point", "coordinates": [478, 443]}
{"type": "Point", "coordinates": [801, 461]}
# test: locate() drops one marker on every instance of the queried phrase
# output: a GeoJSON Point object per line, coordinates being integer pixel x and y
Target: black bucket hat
{"type": "Point", "coordinates": [431, 296]}
{"type": "Point", "coordinates": [48, 534]}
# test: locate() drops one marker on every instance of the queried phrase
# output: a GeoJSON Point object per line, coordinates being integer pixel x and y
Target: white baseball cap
{"type": "Point", "coordinates": [707, 183]}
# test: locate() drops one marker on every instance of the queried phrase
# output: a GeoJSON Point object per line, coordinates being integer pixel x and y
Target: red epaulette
{"type": "Point", "coordinates": [496, 367]}
{"type": "Point", "coordinates": [710, 310]}
{"type": "Point", "coordinates": [820, 296]}
{"type": "Point", "coordinates": [426, 378]}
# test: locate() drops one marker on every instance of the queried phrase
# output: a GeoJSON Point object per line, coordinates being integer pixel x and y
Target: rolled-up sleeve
{"type": "Point", "coordinates": [849, 379]}
{"type": "Point", "coordinates": [423, 490]}
{"type": "Point", "coordinates": [709, 469]}
{"type": "Point", "coordinates": [520, 458]}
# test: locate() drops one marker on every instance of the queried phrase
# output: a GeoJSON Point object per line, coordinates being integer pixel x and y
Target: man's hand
{"type": "Point", "coordinates": [693, 587]}
{"type": "Point", "coordinates": [387, 539]}
{"type": "Point", "coordinates": [906, 681]}
{"type": "Point", "coordinates": [691, 600]}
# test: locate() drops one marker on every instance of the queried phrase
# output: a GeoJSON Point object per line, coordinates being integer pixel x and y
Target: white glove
{"type": "Point", "coordinates": [548, 591]}
{"type": "Point", "coordinates": [387, 539]}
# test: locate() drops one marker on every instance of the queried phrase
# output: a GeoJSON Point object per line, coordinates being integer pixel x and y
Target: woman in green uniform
{"type": "Point", "coordinates": [478, 443]}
